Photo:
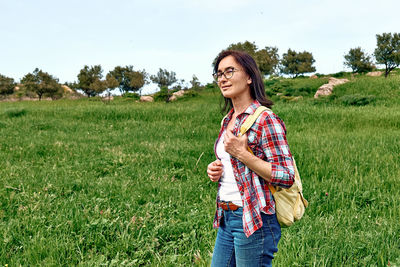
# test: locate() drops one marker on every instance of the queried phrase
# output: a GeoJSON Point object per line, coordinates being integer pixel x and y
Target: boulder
{"type": "Point", "coordinates": [108, 98]}
{"type": "Point", "coordinates": [326, 89]}
{"type": "Point", "coordinates": [66, 89]}
{"type": "Point", "coordinates": [179, 93]}
{"type": "Point", "coordinates": [173, 98]}
{"type": "Point", "coordinates": [335, 81]}
{"type": "Point", "coordinates": [375, 73]}
{"type": "Point", "coordinates": [146, 98]}
{"type": "Point", "coordinates": [313, 76]}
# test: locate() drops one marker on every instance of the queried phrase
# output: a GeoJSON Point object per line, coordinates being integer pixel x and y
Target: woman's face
{"type": "Point", "coordinates": [238, 84]}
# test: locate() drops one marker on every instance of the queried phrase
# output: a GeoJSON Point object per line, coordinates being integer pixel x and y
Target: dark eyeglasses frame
{"type": "Point", "coordinates": [228, 74]}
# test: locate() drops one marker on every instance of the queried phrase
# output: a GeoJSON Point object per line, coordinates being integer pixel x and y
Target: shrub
{"type": "Point", "coordinates": [357, 100]}
{"type": "Point", "coordinates": [340, 74]}
{"type": "Point", "coordinates": [15, 112]}
{"type": "Point", "coordinates": [134, 96]}
{"type": "Point", "coordinates": [278, 85]}
{"type": "Point", "coordinates": [300, 91]}
{"type": "Point", "coordinates": [162, 95]}
{"type": "Point", "coordinates": [190, 93]}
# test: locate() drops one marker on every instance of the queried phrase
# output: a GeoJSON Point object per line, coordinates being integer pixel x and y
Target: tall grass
{"type": "Point", "coordinates": [88, 183]}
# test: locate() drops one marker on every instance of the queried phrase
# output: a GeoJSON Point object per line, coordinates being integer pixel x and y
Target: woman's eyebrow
{"type": "Point", "coordinates": [230, 67]}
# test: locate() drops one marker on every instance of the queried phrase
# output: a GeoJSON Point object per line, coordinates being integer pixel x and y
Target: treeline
{"type": "Point", "coordinates": [92, 82]}
{"type": "Point", "coordinates": [292, 63]}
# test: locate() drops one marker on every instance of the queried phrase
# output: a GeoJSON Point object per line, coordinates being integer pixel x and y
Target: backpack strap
{"type": "Point", "coordinates": [251, 119]}
{"type": "Point", "coordinates": [247, 125]}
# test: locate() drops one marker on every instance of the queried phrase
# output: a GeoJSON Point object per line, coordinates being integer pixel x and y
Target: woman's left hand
{"type": "Point", "coordinates": [234, 145]}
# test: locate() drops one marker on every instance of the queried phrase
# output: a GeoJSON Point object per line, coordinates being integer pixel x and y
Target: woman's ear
{"type": "Point", "coordinates": [249, 81]}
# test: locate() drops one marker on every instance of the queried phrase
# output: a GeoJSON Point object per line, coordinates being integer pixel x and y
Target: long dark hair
{"type": "Point", "coordinates": [257, 89]}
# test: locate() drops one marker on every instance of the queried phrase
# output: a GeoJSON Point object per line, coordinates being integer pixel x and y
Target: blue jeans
{"type": "Point", "coordinates": [233, 248]}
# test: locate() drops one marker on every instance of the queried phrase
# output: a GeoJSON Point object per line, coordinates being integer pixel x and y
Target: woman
{"type": "Point", "coordinates": [248, 232]}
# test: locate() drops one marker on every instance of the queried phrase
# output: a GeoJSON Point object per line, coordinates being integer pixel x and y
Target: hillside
{"type": "Point", "coordinates": [86, 182]}
{"type": "Point", "coordinates": [373, 90]}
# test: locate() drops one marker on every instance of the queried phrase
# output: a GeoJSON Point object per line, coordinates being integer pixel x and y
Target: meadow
{"type": "Point", "coordinates": [89, 183]}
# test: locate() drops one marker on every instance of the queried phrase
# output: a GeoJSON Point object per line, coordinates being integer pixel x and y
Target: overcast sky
{"type": "Point", "coordinates": [184, 36]}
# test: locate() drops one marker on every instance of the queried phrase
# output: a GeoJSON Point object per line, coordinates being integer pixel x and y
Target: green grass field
{"type": "Point", "coordinates": [124, 184]}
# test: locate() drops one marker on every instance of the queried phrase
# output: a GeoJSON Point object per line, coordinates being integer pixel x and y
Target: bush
{"type": "Point", "coordinates": [211, 86]}
{"type": "Point", "coordinates": [357, 100]}
{"type": "Point", "coordinates": [134, 96]}
{"type": "Point", "coordinates": [15, 112]}
{"type": "Point", "coordinates": [341, 74]}
{"type": "Point", "coordinates": [190, 93]}
{"type": "Point", "coordinates": [56, 95]}
{"type": "Point", "coordinates": [301, 86]}
{"type": "Point", "coordinates": [162, 95]}
{"type": "Point", "coordinates": [300, 91]}
{"type": "Point", "coordinates": [278, 85]}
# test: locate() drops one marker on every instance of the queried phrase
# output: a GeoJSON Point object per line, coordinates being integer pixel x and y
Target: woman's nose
{"type": "Point", "coordinates": [222, 78]}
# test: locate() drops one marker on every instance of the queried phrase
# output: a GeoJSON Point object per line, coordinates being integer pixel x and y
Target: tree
{"type": "Point", "coordinates": [41, 83]}
{"type": "Point", "coordinates": [128, 79]}
{"type": "Point", "coordinates": [358, 60]}
{"type": "Point", "coordinates": [111, 83]}
{"type": "Point", "coordinates": [7, 85]}
{"type": "Point", "coordinates": [267, 59]}
{"type": "Point", "coordinates": [295, 63]}
{"type": "Point", "coordinates": [248, 47]}
{"type": "Point", "coordinates": [89, 80]}
{"type": "Point", "coordinates": [179, 85]}
{"type": "Point", "coordinates": [387, 51]}
{"type": "Point", "coordinates": [164, 78]}
{"type": "Point", "coordinates": [195, 83]}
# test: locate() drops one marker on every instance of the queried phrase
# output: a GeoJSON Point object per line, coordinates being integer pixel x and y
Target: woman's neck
{"type": "Point", "coordinates": [241, 103]}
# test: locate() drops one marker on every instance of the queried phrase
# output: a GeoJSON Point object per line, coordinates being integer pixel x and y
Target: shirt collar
{"type": "Point", "coordinates": [249, 110]}
{"type": "Point", "coordinates": [253, 107]}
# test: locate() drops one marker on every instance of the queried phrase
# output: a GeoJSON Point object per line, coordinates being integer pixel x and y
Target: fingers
{"type": "Point", "coordinates": [214, 170]}
{"type": "Point", "coordinates": [229, 137]}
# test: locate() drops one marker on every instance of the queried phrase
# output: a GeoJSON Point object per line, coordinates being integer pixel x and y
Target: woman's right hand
{"type": "Point", "coordinates": [214, 170]}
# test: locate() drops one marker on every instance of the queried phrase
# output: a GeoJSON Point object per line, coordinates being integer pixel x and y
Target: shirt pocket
{"type": "Point", "coordinates": [253, 141]}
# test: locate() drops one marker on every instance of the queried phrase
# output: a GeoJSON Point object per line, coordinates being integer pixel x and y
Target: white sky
{"type": "Point", "coordinates": [60, 37]}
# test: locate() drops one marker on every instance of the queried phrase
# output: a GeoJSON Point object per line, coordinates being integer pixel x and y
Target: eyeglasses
{"type": "Point", "coordinates": [228, 73]}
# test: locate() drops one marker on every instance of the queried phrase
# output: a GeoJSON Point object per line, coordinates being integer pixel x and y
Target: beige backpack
{"type": "Point", "coordinates": [289, 203]}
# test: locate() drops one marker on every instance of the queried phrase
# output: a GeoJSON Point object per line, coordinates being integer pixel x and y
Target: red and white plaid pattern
{"type": "Point", "coordinates": [267, 140]}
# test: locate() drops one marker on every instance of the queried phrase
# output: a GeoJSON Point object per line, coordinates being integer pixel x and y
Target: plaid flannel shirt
{"type": "Point", "coordinates": [267, 140]}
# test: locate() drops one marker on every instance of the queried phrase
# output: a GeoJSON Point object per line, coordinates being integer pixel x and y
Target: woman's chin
{"type": "Point", "coordinates": [226, 94]}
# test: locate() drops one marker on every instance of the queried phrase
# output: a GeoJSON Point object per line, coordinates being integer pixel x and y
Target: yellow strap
{"type": "Point", "coordinates": [251, 119]}
{"type": "Point", "coordinates": [247, 125]}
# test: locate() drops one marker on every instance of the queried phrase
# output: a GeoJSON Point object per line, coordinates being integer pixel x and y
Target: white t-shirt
{"type": "Point", "coordinates": [228, 190]}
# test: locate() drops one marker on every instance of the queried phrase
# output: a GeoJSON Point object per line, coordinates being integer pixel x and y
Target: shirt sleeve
{"type": "Point", "coordinates": [275, 147]}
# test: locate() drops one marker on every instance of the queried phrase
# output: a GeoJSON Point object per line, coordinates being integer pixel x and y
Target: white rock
{"type": "Point", "coordinates": [326, 89]}
{"type": "Point", "coordinates": [146, 98]}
